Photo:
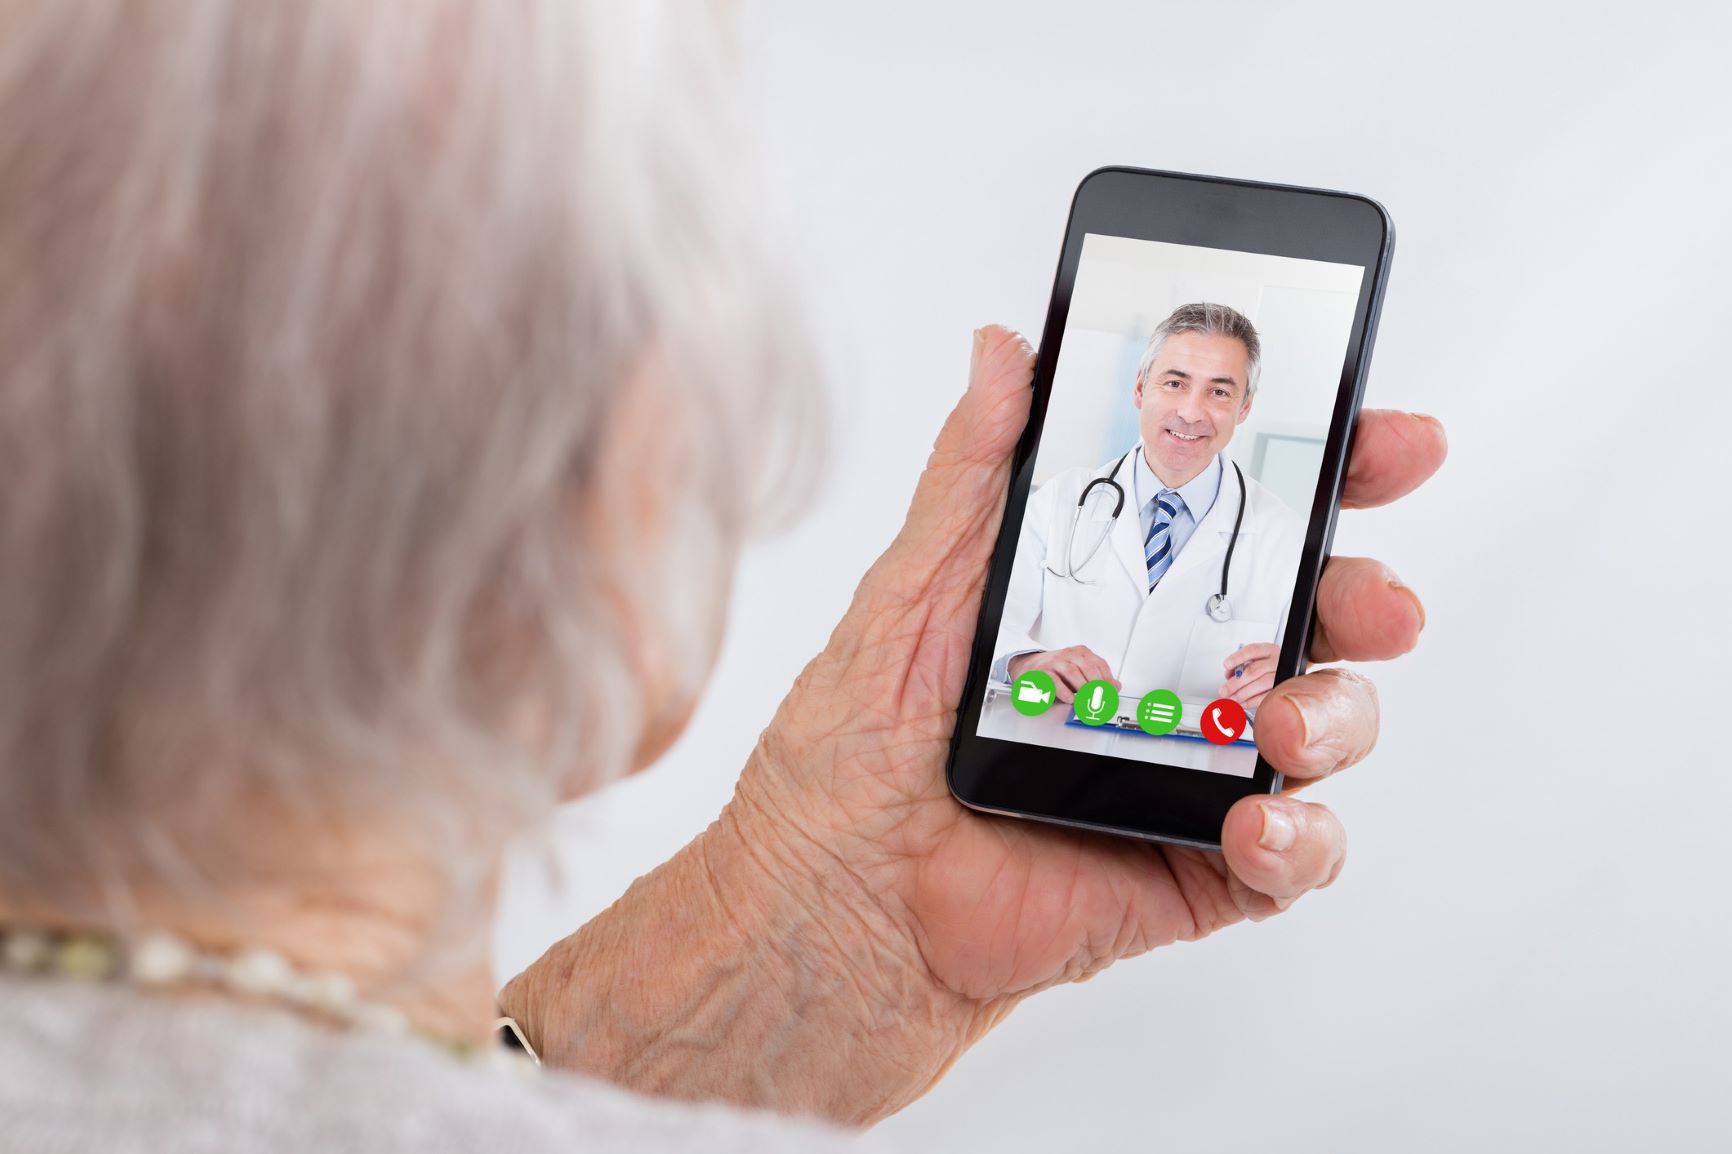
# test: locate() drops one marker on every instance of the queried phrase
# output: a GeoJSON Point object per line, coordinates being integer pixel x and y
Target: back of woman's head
{"type": "Point", "coordinates": [314, 319]}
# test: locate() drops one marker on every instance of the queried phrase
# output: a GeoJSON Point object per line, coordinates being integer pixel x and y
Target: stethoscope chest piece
{"type": "Point", "coordinates": [1219, 608]}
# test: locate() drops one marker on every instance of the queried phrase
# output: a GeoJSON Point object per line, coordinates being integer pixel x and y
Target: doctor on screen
{"type": "Point", "coordinates": [1119, 569]}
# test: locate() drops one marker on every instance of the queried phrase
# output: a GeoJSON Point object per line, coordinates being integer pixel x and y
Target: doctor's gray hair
{"type": "Point", "coordinates": [313, 321]}
{"type": "Point", "coordinates": [1213, 320]}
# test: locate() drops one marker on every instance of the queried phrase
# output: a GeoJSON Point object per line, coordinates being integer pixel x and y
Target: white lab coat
{"type": "Point", "coordinates": [1163, 639]}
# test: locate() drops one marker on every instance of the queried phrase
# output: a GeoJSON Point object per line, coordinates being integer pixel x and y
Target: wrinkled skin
{"type": "Point", "coordinates": [845, 929]}
{"type": "Point", "coordinates": [852, 768]}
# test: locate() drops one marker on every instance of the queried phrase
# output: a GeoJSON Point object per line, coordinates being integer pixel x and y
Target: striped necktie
{"type": "Point", "coordinates": [1158, 549]}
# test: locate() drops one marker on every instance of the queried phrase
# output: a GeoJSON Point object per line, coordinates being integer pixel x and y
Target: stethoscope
{"type": "Point", "coordinates": [1217, 606]}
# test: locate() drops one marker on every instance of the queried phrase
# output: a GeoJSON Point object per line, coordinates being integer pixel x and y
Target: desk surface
{"type": "Point", "coordinates": [999, 719]}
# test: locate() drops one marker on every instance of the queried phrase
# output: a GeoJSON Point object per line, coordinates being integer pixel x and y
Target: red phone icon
{"type": "Point", "coordinates": [1223, 721]}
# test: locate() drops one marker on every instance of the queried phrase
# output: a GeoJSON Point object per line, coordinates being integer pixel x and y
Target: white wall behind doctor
{"type": "Point", "coordinates": [1529, 947]}
{"type": "Point", "coordinates": [1303, 310]}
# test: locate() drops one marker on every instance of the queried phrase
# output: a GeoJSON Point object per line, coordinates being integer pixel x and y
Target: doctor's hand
{"type": "Point", "coordinates": [1070, 668]}
{"type": "Point", "coordinates": [846, 929]}
{"type": "Point", "coordinates": [1255, 664]}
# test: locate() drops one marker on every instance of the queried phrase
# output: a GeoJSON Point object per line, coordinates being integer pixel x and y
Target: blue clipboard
{"type": "Point", "coordinates": [1072, 720]}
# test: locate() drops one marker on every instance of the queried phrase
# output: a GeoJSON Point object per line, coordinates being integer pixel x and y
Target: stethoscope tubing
{"type": "Point", "coordinates": [1111, 482]}
{"type": "Point", "coordinates": [1217, 607]}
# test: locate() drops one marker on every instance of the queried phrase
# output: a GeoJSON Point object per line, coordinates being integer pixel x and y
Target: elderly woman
{"type": "Point", "coordinates": [384, 393]}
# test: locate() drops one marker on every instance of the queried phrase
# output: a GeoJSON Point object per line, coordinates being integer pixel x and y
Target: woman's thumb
{"type": "Point", "coordinates": [988, 420]}
{"type": "Point", "coordinates": [962, 490]}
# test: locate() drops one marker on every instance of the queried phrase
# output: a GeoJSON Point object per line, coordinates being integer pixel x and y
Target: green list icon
{"type": "Point", "coordinates": [1033, 692]}
{"type": "Point", "coordinates": [1159, 711]}
{"type": "Point", "coordinates": [1097, 702]}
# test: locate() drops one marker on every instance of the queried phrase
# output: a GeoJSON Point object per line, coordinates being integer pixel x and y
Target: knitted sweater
{"type": "Point", "coordinates": [108, 1069]}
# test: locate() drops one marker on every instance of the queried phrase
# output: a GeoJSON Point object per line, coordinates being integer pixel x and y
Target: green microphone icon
{"type": "Point", "coordinates": [1097, 702]}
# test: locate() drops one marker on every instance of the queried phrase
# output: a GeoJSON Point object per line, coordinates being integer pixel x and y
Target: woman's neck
{"type": "Point", "coordinates": [380, 928]}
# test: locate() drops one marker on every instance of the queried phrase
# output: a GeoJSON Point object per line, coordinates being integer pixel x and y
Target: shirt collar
{"type": "Point", "coordinates": [1198, 493]}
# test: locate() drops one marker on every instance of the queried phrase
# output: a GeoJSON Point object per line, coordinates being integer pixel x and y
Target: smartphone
{"type": "Point", "coordinates": [1171, 501]}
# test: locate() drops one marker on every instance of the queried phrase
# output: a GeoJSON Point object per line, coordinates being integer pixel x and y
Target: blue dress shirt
{"type": "Point", "coordinates": [1198, 493]}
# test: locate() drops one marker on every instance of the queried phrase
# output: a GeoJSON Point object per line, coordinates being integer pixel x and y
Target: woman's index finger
{"type": "Point", "coordinates": [1393, 454]}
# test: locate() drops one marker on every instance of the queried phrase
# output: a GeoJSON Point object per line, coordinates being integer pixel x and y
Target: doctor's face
{"type": "Point", "coordinates": [1192, 399]}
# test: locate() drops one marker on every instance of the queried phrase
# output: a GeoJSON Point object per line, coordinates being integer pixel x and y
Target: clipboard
{"type": "Point", "coordinates": [1187, 730]}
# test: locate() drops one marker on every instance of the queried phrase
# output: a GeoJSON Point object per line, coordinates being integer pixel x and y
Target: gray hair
{"type": "Point", "coordinates": [1213, 320]}
{"type": "Point", "coordinates": [312, 321]}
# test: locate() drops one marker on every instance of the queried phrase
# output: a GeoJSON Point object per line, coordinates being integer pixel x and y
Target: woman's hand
{"type": "Point", "coordinates": [849, 782]}
{"type": "Point", "coordinates": [846, 929]}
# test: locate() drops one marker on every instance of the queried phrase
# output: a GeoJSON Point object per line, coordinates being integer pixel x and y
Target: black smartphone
{"type": "Point", "coordinates": [1171, 502]}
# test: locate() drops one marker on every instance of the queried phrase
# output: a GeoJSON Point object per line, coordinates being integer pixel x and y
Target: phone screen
{"type": "Point", "coordinates": [1172, 485]}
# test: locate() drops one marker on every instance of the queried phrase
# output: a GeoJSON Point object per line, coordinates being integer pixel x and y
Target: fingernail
{"type": "Point", "coordinates": [1400, 586]}
{"type": "Point", "coordinates": [974, 357]}
{"type": "Point", "coordinates": [1313, 718]}
{"type": "Point", "coordinates": [1442, 433]}
{"type": "Point", "coordinates": [1279, 829]}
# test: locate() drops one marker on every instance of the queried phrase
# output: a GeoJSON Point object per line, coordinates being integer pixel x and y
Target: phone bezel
{"type": "Point", "coordinates": [1116, 795]}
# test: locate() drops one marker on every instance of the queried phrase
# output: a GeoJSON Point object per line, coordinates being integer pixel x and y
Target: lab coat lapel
{"type": "Point", "coordinates": [1128, 529]}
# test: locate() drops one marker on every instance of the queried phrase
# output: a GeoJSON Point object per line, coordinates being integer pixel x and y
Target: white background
{"type": "Point", "coordinates": [1529, 948]}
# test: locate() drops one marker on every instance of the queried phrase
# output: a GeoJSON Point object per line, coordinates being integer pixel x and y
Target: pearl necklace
{"type": "Point", "coordinates": [157, 960]}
